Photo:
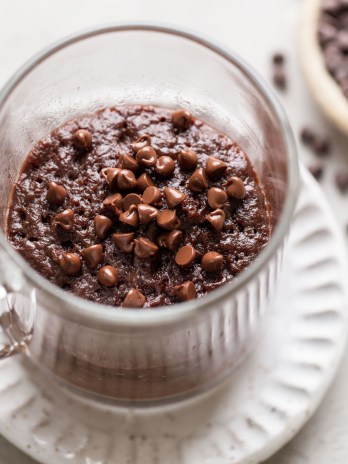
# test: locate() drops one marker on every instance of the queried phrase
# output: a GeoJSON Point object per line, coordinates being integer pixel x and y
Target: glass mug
{"type": "Point", "coordinates": [133, 355]}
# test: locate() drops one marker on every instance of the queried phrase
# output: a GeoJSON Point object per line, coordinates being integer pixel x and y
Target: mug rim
{"type": "Point", "coordinates": [91, 312]}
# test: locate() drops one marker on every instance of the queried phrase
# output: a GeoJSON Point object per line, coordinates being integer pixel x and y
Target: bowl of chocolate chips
{"type": "Point", "coordinates": [149, 181]}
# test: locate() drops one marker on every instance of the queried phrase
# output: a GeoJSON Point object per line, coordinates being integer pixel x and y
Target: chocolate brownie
{"type": "Point", "coordinates": [138, 206]}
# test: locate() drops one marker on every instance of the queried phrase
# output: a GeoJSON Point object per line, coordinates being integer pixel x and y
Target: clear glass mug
{"type": "Point", "coordinates": [138, 355]}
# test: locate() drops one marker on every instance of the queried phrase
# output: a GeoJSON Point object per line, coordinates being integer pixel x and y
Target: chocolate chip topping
{"type": "Point", "coordinates": [185, 291]}
{"type": "Point", "coordinates": [212, 261]}
{"type": "Point", "coordinates": [114, 203]}
{"type": "Point", "coordinates": [124, 241]}
{"type": "Point", "coordinates": [93, 255]}
{"type": "Point", "coordinates": [167, 219]}
{"type": "Point", "coordinates": [185, 256]}
{"type": "Point", "coordinates": [165, 166]}
{"type": "Point", "coordinates": [56, 194]}
{"type": "Point", "coordinates": [110, 175]}
{"type": "Point", "coordinates": [216, 219]}
{"type": "Point", "coordinates": [187, 160]}
{"type": "Point", "coordinates": [182, 119]}
{"type": "Point", "coordinates": [171, 240]}
{"type": "Point", "coordinates": [152, 195]}
{"type": "Point", "coordinates": [131, 199]}
{"type": "Point", "coordinates": [147, 157]}
{"type": "Point", "coordinates": [128, 162]}
{"type": "Point", "coordinates": [215, 167]}
{"type": "Point", "coordinates": [130, 217]}
{"type": "Point", "coordinates": [144, 181]}
{"type": "Point", "coordinates": [82, 139]}
{"type": "Point", "coordinates": [126, 180]}
{"type": "Point", "coordinates": [141, 142]}
{"type": "Point", "coordinates": [108, 276]}
{"type": "Point", "coordinates": [216, 197]}
{"type": "Point", "coordinates": [147, 213]}
{"type": "Point", "coordinates": [235, 188]}
{"type": "Point", "coordinates": [144, 248]}
{"type": "Point", "coordinates": [65, 220]}
{"type": "Point", "coordinates": [134, 299]}
{"type": "Point", "coordinates": [102, 225]}
{"type": "Point", "coordinates": [173, 196]}
{"type": "Point", "coordinates": [70, 263]}
{"type": "Point", "coordinates": [198, 181]}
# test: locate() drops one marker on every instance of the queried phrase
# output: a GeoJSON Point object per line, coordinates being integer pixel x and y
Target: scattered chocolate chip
{"type": "Point", "coordinates": [321, 146]}
{"type": "Point", "coordinates": [65, 220]}
{"type": "Point", "coordinates": [102, 225]}
{"type": "Point", "coordinates": [114, 203]}
{"type": "Point", "coordinates": [165, 166]}
{"type": "Point", "coordinates": [215, 167]}
{"type": "Point", "coordinates": [278, 58]}
{"type": "Point", "coordinates": [152, 195]}
{"type": "Point", "coordinates": [130, 217]}
{"type": "Point", "coordinates": [182, 119]}
{"type": "Point", "coordinates": [70, 263]}
{"type": "Point", "coordinates": [341, 180]}
{"type": "Point", "coordinates": [108, 276]}
{"type": "Point", "coordinates": [128, 162]}
{"type": "Point", "coordinates": [110, 175]}
{"type": "Point", "coordinates": [212, 261]}
{"type": "Point", "coordinates": [187, 160]}
{"type": "Point", "coordinates": [93, 255]}
{"type": "Point", "coordinates": [147, 157]}
{"type": "Point", "coordinates": [131, 199]}
{"type": "Point", "coordinates": [198, 181]}
{"type": "Point", "coordinates": [316, 170]}
{"type": "Point", "coordinates": [56, 194]}
{"type": "Point", "coordinates": [134, 299]}
{"type": "Point", "coordinates": [146, 213]}
{"type": "Point", "coordinates": [144, 248]}
{"type": "Point", "coordinates": [126, 180]}
{"type": "Point", "coordinates": [216, 197]}
{"type": "Point", "coordinates": [141, 142]}
{"type": "Point", "coordinates": [185, 255]}
{"type": "Point", "coordinates": [216, 219]}
{"type": "Point", "coordinates": [144, 181]}
{"type": "Point", "coordinates": [235, 188]}
{"type": "Point", "coordinates": [307, 136]}
{"type": "Point", "coordinates": [124, 241]}
{"type": "Point", "coordinates": [82, 139]}
{"type": "Point", "coordinates": [171, 240]}
{"type": "Point", "coordinates": [185, 291]}
{"type": "Point", "coordinates": [167, 219]}
{"type": "Point", "coordinates": [173, 196]}
{"type": "Point", "coordinates": [279, 77]}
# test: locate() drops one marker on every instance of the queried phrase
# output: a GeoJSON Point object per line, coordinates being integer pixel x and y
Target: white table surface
{"type": "Point", "coordinates": [255, 28]}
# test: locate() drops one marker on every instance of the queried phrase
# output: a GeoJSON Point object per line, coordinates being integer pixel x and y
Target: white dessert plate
{"type": "Point", "coordinates": [244, 421]}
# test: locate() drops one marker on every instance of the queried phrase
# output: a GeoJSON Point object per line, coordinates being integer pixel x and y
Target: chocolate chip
{"type": "Point", "coordinates": [70, 263]}
{"type": "Point", "coordinates": [152, 195]}
{"type": "Point", "coordinates": [110, 175]}
{"type": "Point", "coordinates": [165, 166]}
{"type": "Point", "coordinates": [216, 219]}
{"type": "Point", "coordinates": [114, 203]}
{"type": "Point", "coordinates": [185, 255]}
{"type": "Point", "coordinates": [307, 136]}
{"type": "Point", "coordinates": [321, 146]}
{"type": "Point", "coordinates": [185, 291]}
{"type": "Point", "coordinates": [134, 299]}
{"type": "Point", "coordinates": [187, 160]}
{"type": "Point", "coordinates": [65, 220]}
{"type": "Point", "coordinates": [182, 119]}
{"type": "Point", "coordinates": [144, 248]}
{"type": "Point", "coordinates": [215, 167]}
{"type": "Point", "coordinates": [128, 162]}
{"type": "Point", "coordinates": [278, 58]}
{"type": "Point", "coordinates": [235, 188]}
{"type": "Point", "coordinates": [144, 181]}
{"type": "Point", "coordinates": [212, 261]}
{"type": "Point", "coordinates": [216, 197]}
{"type": "Point", "coordinates": [124, 241]}
{"type": "Point", "coordinates": [316, 170]}
{"type": "Point", "coordinates": [141, 142]}
{"type": "Point", "coordinates": [56, 194]}
{"type": "Point", "coordinates": [171, 240]}
{"type": "Point", "coordinates": [131, 199]}
{"type": "Point", "coordinates": [198, 181]}
{"type": "Point", "coordinates": [126, 180]}
{"type": "Point", "coordinates": [108, 276]}
{"type": "Point", "coordinates": [173, 196]}
{"type": "Point", "coordinates": [93, 255]}
{"type": "Point", "coordinates": [341, 180]}
{"type": "Point", "coordinates": [147, 157]}
{"type": "Point", "coordinates": [279, 77]}
{"type": "Point", "coordinates": [102, 225]}
{"type": "Point", "coordinates": [147, 213]}
{"type": "Point", "coordinates": [130, 217]}
{"type": "Point", "coordinates": [82, 139]}
{"type": "Point", "coordinates": [167, 219]}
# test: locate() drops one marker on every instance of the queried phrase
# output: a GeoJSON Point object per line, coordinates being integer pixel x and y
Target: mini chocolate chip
{"type": "Point", "coordinates": [146, 213]}
{"type": "Point", "coordinates": [279, 77]}
{"type": "Point", "coordinates": [65, 220]}
{"type": "Point", "coordinates": [212, 261]}
{"type": "Point", "coordinates": [307, 136]}
{"type": "Point", "coordinates": [147, 157]}
{"type": "Point", "coordinates": [182, 119]}
{"type": "Point", "coordinates": [108, 276]}
{"type": "Point", "coordinates": [167, 219]}
{"type": "Point", "coordinates": [152, 195]}
{"type": "Point", "coordinates": [316, 170]}
{"type": "Point", "coordinates": [185, 291]}
{"type": "Point", "coordinates": [171, 240]}
{"type": "Point", "coordinates": [126, 180]}
{"type": "Point", "coordinates": [173, 196]}
{"type": "Point", "coordinates": [144, 248]}
{"type": "Point", "coordinates": [215, 167]}
{"type": "Point", "coordinates": [70, 263]}
{"type": "Point", "coordinates": [131, 199]}
{"type": "Point", "coordinates": [82, 139]}
{"type": "Point", "coordinates": [165, 166]}
{"type": "Point", "coordinates": [185, 255]}
{"type": "Point", "coordinates": [134, 299]}
{"type": "Point", "coordinates": [114, 203]}
{"type": "Point", "coordinates": [216, 219]}
{"type": "Point", "coordinates": [216, 197]}
{"type": "Point", "coordinates": [341, 180]}
{"type": "Point", "coordinates": [235, 188]}
{"type": "Point", "coordinates": [198, 181]}
{"type": "Point", "coordinates": [102, 225]}
{"type": "Point", "coordinates": [278, 58]}
{"type": "Point", "coordinates": [93, 255]}
{"type": "Point", "coordinates": [321, 146]}
{"type": "Point", "coordinates": [141, 142]}
{"type": "Point", "coordinates": [187, 160]}
{"type": "Point", "coordinates": [144, 181]}
{"type": "Point", "coordinates": [110, 175]}
{"type": "Point", "coordinates": [130, 217]}
{"type": "Point", "coordinates": [124, 241]}
{"type": "Point", "coordinates": [128, 162]}
{"type": "Point", "coordinates": [56, 194]}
